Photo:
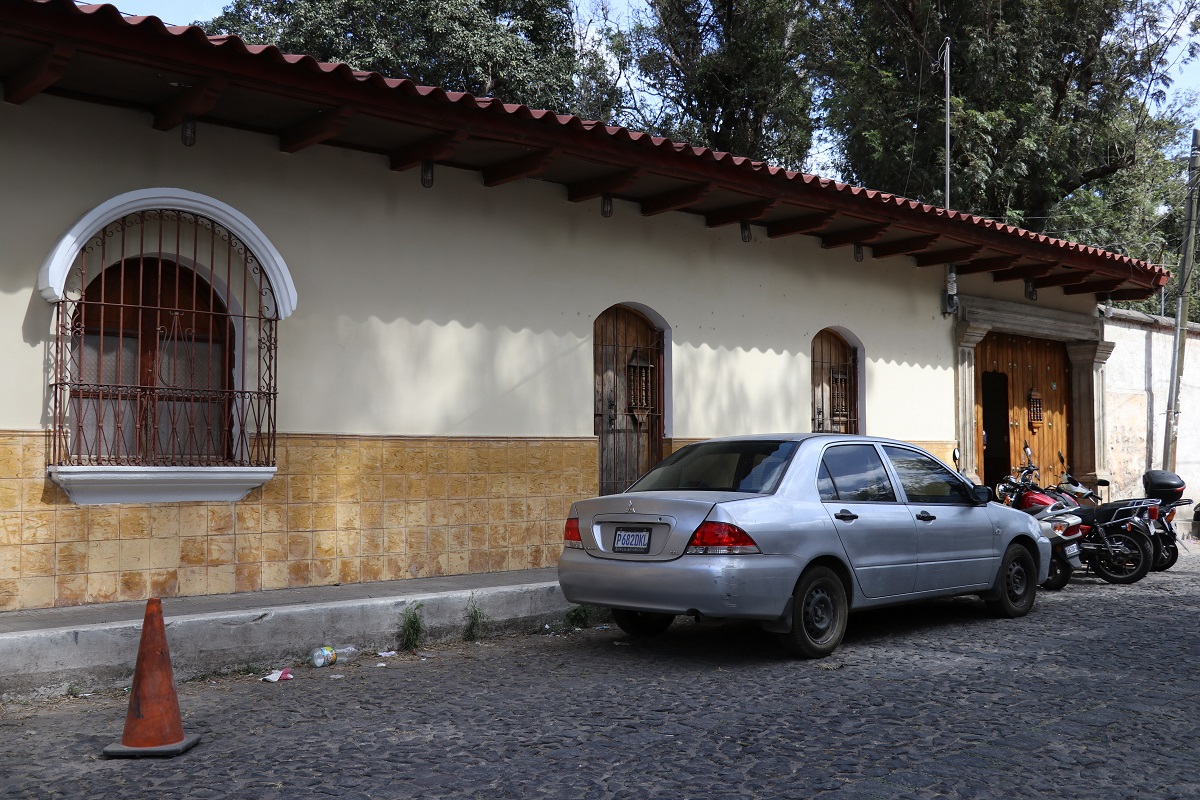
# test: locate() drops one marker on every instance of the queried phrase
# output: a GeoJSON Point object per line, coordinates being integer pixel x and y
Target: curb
{"type": "Point", "coordinates": [102, 656]}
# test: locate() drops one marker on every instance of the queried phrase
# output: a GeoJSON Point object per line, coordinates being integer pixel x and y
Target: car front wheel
{"type": "Point", "coordinates": [819, 614]}
{"type": "Point", "coordinates": [1015, 589]}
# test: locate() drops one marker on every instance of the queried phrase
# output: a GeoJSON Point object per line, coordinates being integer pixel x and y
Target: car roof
{"type": "Point", "coordinates": [800, 437]}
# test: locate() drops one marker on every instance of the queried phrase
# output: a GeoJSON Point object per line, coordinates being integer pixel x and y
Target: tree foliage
{"type": "Point", "coordinates": [729, 74]}
{"type": "Point", "coordinates": [1049, 97]}
{"type": "Point", "coordinates": [522, 51]}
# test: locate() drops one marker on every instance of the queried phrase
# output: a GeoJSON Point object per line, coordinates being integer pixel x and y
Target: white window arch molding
{"type": "Point", "coordinates": [87, 485]}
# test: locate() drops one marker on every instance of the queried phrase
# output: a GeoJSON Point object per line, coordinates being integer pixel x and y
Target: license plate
{"type": "Point", "coordinates": [632, 540]}
{"type": "Point", "coordinates": [1072, 550]}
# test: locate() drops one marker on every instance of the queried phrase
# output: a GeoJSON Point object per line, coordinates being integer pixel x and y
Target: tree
{"type": "Point", "coordinates": [523, 51]}
{"type": "Point", "coordinates": [1050, 98]}
{"type": "Point", "coordinates": [727, 74]}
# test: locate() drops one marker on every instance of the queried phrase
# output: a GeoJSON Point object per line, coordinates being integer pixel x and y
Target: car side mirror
{"type": "Point", "coordinates": [983, 494]}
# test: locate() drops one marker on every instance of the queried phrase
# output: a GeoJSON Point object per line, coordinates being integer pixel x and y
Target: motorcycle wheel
{"type": "Point", "coordinates": [1129, 562]}
{"type": "Point", "coordinates": [1060, 574]}
{"type": "Point", "coordinates": [1168, 554]}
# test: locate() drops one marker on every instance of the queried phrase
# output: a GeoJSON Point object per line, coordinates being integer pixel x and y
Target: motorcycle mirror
{"type": "Point", "coordinates": [956, 456]}
{"type": "Point", "coordinates": [1062, 461]}
{"type": "Point", "coordinates": [1101, 482]}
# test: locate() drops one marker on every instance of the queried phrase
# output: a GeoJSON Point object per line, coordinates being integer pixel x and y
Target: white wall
{"type": "Point", "coordinates": [463, 310]}
{"type": "Point", "coordinates": [1137, 383]}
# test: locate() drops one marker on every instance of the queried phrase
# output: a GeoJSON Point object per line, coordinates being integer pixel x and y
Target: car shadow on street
{"type": "Point", "coordinates": [731, 643]}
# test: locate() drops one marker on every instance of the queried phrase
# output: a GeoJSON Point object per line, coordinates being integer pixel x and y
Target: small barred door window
{"type": "Point", "coordinates": [834, 384]}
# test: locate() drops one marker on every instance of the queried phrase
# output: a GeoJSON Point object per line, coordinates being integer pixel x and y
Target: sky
{"type": "Point", "coordinates": [184, 12]}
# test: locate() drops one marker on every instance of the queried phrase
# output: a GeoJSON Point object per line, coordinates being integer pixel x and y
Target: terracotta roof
{"type": "Point", "coordinates": [94, 53]}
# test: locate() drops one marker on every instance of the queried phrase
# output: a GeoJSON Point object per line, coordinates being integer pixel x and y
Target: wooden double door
{"type": "Point", "coordinates": [1022, 395]}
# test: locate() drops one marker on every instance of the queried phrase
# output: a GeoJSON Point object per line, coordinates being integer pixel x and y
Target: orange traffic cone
{"type": "Point", "coordinates": [153, 726]}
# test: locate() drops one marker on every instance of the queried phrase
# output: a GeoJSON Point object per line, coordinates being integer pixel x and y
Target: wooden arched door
{"type": "Point", "coordinates": [628, 369]}
{"type": "Point", "coordinates": [834, 384]}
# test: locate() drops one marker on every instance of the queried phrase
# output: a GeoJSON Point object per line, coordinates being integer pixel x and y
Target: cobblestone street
{"type": "Point", "coordinates": [1095, 694]}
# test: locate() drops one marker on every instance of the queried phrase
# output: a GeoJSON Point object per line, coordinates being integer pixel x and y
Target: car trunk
{"type": "Point", "coordinates": [644, 526]}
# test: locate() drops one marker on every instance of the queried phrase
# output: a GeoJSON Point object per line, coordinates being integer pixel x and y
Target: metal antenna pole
{"type": "Point", "coordinates": [1171, 437]}
{"type": "Point", "coordinates": [946, 66]}
{"type": "Point", "coordinates": [950, 296]}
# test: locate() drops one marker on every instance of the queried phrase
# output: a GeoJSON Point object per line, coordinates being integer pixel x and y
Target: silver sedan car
{"type": "Point", "coordinates": [796, 531]}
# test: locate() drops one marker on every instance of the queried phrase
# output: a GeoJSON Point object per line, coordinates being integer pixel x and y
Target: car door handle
{"type": "Point", "coordinates": [845, 515]}
{"type": "Point", "coordinates": [925, 516]}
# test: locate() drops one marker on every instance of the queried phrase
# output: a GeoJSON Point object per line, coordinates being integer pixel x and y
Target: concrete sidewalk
{"type": "Point", "coordinates": [49, 651]}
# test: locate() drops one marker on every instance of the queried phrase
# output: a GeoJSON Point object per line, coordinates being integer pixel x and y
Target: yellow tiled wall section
{"type": "Point", "coordinates": [340, 510]}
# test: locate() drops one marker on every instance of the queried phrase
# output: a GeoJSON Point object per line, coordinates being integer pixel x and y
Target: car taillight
{"type": "Point", "coordinates": [721, 539]}
{"type": "Point", "coordinates": [571, 534]}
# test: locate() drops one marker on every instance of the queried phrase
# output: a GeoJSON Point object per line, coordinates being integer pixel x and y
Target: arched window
{"type": "Point", "coordinates": [834, 384]}
{"type": "Point", "coordinates": [165, 348]}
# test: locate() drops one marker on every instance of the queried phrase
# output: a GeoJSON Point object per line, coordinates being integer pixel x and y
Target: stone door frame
{"type": "Point", "coordinates": [1086, 349]}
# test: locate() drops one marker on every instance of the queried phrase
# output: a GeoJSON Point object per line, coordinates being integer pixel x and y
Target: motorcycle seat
{"type": "Point", "coordinates": [1094, 515]}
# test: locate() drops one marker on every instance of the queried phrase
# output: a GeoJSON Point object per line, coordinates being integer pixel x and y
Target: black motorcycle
{"type": "Point", "coordinates": [1162, 485]}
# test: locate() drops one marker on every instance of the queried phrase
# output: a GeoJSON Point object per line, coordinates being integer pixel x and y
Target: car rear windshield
{"type": "Point", "coordinates": [755, 466]}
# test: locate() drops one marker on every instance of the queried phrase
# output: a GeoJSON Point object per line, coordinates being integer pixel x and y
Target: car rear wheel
{"type": "Point", "coordinates": [819, 614]}
{"type": "Point", "coordinates": [642, 623]}
{"type": "Point", "coordinates": [1015, 589]}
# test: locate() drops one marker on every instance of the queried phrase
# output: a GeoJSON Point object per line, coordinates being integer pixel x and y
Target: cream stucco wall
{"type": "Point", "coordinates": [467, 311]}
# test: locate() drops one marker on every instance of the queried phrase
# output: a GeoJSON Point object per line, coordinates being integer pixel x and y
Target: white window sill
{"type": "Point", "coordinates": [95, 485]}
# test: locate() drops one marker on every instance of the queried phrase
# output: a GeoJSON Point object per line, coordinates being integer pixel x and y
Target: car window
{"type": "Point", "coordinates": [754, 466]}
{"type": "Point", "coordinates": [926, 481]}
{"type": "Point", "coordinates": [854, 474]}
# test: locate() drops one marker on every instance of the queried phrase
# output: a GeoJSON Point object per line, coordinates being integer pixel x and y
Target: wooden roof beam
{"type": "Point", "coordinates": [314, 130]}
{"type": "Point", "coordinates": [1099, 287]}
{"type": "Point", "coordinates": [433, 148]}
{"type": "Point", "coordinates": [802, 224]}
{"type": "Point", "coordinates": [1023, 273]}
{"type": "Point", "coordinates": [861, 235]}
{"type": "Point", "coordinates": [38, 74]}
{"type": "Point", "coordinates": [675, 199]}
{"type": "Point", "coordinates": [592, 188]}
{"type": "Point", "coordinates": [1132, 294]}
{"type": "Point", "coordinates": [1064, 279]}
{"type": "Point", "coordinates": [986, 265]}
{"type": "Point", "coordinates": [946, 256]}
{"type": "Point", "coordinates": [526, 166]}
{"type": "Point", "coordinates": [904, 247]}
{"type": "Point", "coordinates": [742, 213]}
{"type": "Point", "coordinates": [191, 102]}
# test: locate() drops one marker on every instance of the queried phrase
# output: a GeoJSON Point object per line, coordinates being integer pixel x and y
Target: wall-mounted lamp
{"type": "Point", "coordinates": [187, 131]}
{"type": "Point", "coordinates": [1030, 290]}
{"type": "Point", "coordinates": [427, 174]}
{"type": "Point", "coordinates": [858, 252]}
{"type": "Point", "coordinates": [950, 294]}
{"type": "Point", "coordinates": [606, 207]}
{"type": "Point", "coordinates": [747, 234]}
